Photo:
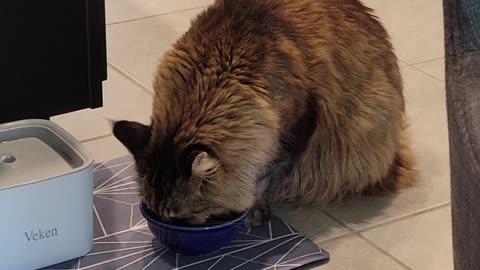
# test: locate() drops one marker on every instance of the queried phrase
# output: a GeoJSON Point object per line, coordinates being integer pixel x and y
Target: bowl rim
{"type": "Point", "coordinates": [191, 229]}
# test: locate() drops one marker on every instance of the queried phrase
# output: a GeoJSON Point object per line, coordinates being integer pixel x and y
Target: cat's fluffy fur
{"type": "Point", "coordinates": [301, 98]}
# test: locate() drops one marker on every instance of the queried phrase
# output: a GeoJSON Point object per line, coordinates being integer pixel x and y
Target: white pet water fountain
{"type": "Point", "coordinates": [46, 196]}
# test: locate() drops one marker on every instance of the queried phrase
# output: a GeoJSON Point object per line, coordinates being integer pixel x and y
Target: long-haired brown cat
{"type": "Point", "coordinates": [272, 101]}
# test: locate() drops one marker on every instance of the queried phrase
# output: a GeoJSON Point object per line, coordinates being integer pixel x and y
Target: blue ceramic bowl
{"type": "Point", "coordinates": [192, 240]}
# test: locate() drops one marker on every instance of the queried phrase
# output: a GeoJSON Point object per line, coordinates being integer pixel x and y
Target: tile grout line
{"type": "Point", "coordinates": [426, 73]}
{"type": "Point", "coordinates": [384, 252]}
{"type": "Point", "coordinates": [421, 62]}
{"type": "Point", "coordinates": [324, 241]}
{"type": "Point", "coordinates": [310, 213]}
{"type": "Point", "coordinates": [352, 230]}
{"type": "Point", "coordinates": [125, 74]}
{"type": "Point", "coordinates": [404, 217]}
{"type": "Point", "coordinates": [156, 15]}
{"type": "Point", "coordinates": [392, 220]}
{"type": "Point", "coordinates": [96, 138]}
{"type": "Point", "coordinates": [372, 244]}
{"type": "Point", "coordinates": [131, 79]}
{"type": "Point", "coordinates": [359, 234]}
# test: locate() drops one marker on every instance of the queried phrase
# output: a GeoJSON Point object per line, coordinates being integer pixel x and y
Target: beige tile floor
{"type": "Point", "coordinates": [411, 230]}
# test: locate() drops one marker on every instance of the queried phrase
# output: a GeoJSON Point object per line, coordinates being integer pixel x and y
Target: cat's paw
{"type": "Point", "coordinates": [258, 216]}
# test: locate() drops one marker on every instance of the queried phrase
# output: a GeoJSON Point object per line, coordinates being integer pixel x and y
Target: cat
{"type": "Point", "coordinates": [268, 101]}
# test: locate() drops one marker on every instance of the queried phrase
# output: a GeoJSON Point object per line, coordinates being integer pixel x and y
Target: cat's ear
{"type": "Point", "coordinates": [133, 135]}
{"type": "Point", "coordinates": [204, 165]}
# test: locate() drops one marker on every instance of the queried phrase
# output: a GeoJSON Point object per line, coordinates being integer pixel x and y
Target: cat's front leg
{"type": "Point", "coordinates": [261, 211]}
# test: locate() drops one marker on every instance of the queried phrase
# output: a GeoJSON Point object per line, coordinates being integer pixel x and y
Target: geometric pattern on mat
{"type": "Point", "coordinates": [123, 240]}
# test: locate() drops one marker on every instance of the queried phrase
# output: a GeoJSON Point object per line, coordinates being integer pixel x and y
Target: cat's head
{"type": "Point", "coordinates": [187, 184]}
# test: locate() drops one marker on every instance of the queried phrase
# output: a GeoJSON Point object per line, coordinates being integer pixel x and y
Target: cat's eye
{"type": "Point", "coordinates": [202, 188]}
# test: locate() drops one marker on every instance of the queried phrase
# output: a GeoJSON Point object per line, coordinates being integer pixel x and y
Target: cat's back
{"type": "Point", "coordinates": [308, 19]}
{"type": "Point", "coordinates": [345, 31]}
{"type": "Point", "coordinates": [284, 48]}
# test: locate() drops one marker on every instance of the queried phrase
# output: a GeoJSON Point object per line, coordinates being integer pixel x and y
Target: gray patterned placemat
{"type": "Point", "coordinates": [123, 240]}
